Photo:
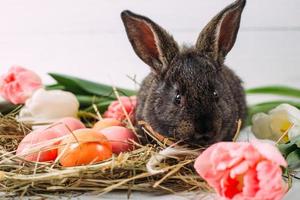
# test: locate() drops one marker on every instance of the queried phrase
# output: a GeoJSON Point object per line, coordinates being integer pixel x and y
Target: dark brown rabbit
{"type": "Point", "coordinates": [190, 94]}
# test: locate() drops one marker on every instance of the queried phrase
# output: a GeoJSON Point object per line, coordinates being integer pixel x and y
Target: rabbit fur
{"type": "Point", "coordinates": [190, 94]}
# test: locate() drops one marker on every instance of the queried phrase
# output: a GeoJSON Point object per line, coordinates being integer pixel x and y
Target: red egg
{"type": "Point", "coordinates": [119, 137]}
{"type": "Point", "coordinates": [41, 139]}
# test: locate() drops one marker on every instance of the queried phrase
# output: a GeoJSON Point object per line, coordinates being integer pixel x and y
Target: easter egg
{"type": "Point", "coordinates": [119, 137]}
{"type": "Point", "coordinates": [71, 123]}
{"type": "Point", "coordinates": [107, 122]}
{"type": "Point", "coordinates": [85, 146]}
{"type": "Point", "coordinates": [40, 140]}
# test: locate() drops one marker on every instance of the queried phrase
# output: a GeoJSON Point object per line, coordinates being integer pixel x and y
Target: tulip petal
{"type": "Point", "coordinates": [49, 106]}
{"type": "Point", "coordinates": [294, 132]}
{"type": "Point", "coordinates": [115, 109]}
{"type": "Point", "coordinates": [242, 170]}
{"type": "Point", "coordinates": [270, 152]}
{"type": "Point", "coordinates": [274, 124]}
{"type": "Point", "coordinates": [292, 112]}
{"type": "Point", "coordinates": [19, 84]}
{"type": "Point", "coordinates": [261, 127]}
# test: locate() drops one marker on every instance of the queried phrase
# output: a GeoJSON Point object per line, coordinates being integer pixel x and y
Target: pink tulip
{"type": "Point", "coordinates": [18, 84]}
{"type": "Point", "coordinates": [115, 108]}
{"type": "Point", "coordinates": [243, 171]}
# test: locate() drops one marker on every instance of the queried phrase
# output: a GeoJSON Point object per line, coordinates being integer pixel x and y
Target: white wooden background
{"type": "Point", "coordinates": [86, 37]}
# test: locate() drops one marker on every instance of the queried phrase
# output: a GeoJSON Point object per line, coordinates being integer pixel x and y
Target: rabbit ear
{"type": "Point", "coordinates": [149, 41]}
{"type": "Point", "coordinates": [219, 35]}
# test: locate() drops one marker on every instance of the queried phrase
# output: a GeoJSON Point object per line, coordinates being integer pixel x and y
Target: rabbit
{"type": "Point", "coordinates": [189, 95]}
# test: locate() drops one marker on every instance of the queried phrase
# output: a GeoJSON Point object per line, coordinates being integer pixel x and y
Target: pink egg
{"type": "Point", "coordinates": [119, 137]}
{"type": "Point", "coordinates": [71, 122]}
{"type": "Point", "coordinates": [41, 138]}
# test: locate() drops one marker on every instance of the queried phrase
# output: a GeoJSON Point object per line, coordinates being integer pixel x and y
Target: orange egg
{"type": "Point", "coordinates": [88, 147]}
{"type": "Point", "coordinates": [107, 122]}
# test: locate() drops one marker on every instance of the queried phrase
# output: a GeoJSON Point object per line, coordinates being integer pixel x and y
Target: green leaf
{"type": "Point", "coordinates": [102, 107]}
{"type": "Point", "coordinates": [276, 90]}
{"type": "Point", "coordinates": [287, 148]}
{"type": "Point", "coordinates": [278, 102]}
{"type": "Point", "coordinates": [87, 101]}
{"type": "Point", "coordinates": [84, 87]}
{"type": "Point", "coordinates": [296, 141]}
{"type": "Point", "coordinates": [293, 159]}
{"type": "Point", "coordinates": [55, 87]}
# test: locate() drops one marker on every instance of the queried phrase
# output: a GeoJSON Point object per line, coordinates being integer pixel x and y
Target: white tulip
{"type": "Point", "coordinates": [48, 106]}
{"type": "Point", "coordinates": [274, 124]}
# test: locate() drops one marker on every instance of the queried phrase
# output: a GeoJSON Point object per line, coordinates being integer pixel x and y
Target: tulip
{"type": "Point", "coordinates": [115, 109]}
{"type": "Point", "coordinates": [49, 106]}
{"type": "Point", "coordinates": [273, 125]}
{"type": "Point", "coordinates": [243, 170]}
{"type": "Point", "coordinates": [19, 84]}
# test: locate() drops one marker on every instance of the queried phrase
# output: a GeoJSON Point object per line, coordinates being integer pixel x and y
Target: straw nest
{"type": "Point", "coordinates": [155, 167]}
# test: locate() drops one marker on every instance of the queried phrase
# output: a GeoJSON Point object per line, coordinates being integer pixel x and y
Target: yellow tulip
{"type": "Point", "coordinates": [284, 119]}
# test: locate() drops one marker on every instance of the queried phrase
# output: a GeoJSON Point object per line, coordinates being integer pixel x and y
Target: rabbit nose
{"type": "Point", "coordinates": [203, 128]}
{"type": "Point", "coordinates": [200, 137]}
{"type": "Point", "coordinates": [204, 124]}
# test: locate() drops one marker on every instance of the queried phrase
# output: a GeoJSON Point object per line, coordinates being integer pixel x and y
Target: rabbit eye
{"type": "Point", "coordinates": [215, 94]}
{"type": "Point", "coordinates": [177, 99]}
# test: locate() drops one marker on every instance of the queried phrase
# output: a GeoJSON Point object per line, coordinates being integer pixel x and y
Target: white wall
{"type": "Point", "coordinates": [86, 37]}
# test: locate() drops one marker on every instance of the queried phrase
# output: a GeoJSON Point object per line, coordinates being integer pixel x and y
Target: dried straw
{"type": "Point", "coordinates": [126, 171]}
{"type": "Point", "coordinates": [11, 132]}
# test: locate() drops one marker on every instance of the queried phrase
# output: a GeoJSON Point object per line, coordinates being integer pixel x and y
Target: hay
{"type": "Point", "coordinates": [127, 171]}
{"type": "Point", "coordinates": [11, 132]}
